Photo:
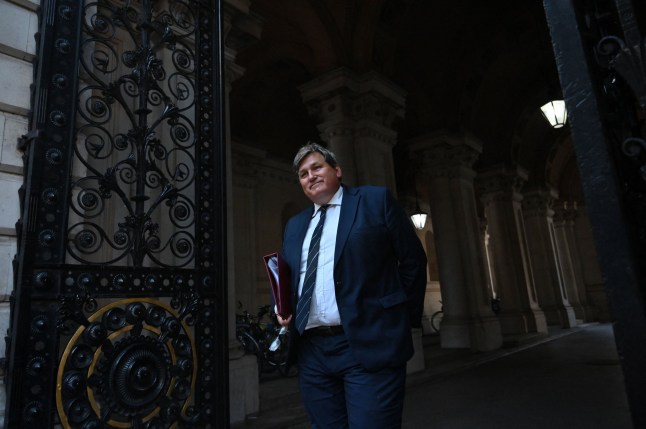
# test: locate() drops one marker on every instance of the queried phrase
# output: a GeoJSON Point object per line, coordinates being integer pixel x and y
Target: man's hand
{"type": "Point", "coordinates": [283, 322]}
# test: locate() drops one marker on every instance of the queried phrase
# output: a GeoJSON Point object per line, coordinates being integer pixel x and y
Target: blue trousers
{"type": "Point", "coordinates": [339, 393]}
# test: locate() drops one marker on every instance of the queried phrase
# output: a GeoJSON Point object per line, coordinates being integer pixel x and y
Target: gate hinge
{"type": "Point", "coordinates": [24, 140]}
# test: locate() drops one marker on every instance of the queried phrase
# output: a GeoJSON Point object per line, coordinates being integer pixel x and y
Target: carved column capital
{"type": "Point", "coordinates": [501, 184]}
{"type": "Point", "coordinates": [232, 71]}
{"type": "Point", "coordinates": [539, 202]}
{"type": "Point", "coordinates": [338, 129]}
{"type": "Point", "coordinates": [252, 167]}
{"type": "Point", "coordinates": [355, 115]}
{"type": "Point", "coordinates": [565, 213]}
{"type": "Point", "coordinates": [240, 28]}
{"type": "Point", "coordinates": [446, 155]}
{"type": "Point", "coordinates": [370, 102]}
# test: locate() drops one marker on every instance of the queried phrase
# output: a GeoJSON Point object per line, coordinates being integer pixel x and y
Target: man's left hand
{"type": "Point", "coordinates": [283, 322]}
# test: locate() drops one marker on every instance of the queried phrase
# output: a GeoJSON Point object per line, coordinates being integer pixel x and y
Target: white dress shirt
{"type": "Point", "coordinates": [323, 309]}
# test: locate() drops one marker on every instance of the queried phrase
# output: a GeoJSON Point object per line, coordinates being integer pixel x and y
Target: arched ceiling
{"type": "Point", "coordinates": [467, 65]}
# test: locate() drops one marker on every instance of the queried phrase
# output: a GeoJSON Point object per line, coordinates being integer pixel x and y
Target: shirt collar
{"type": "Point", "coordinates": [334, 201]}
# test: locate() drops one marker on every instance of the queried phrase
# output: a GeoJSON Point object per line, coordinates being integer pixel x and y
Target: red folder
{"type": "Point", "coordinates": [279, 278]}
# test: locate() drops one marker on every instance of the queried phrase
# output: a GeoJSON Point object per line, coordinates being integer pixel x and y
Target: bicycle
{"type": "Point", "coordinates": [436, 319]}
{"type": "Point", "coordinates": [267, 340]}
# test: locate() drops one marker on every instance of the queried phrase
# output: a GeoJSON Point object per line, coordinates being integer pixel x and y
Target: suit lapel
{"type": "Point", "coordinates": [301, 224]}
{"type": "Point", "coordinates": [304, 222]}
{"type": "Point", "coordinates": [349, 206]}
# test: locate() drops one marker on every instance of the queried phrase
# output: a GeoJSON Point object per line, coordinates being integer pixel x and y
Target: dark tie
{"type": "Point", "coordinates": [303, 306]}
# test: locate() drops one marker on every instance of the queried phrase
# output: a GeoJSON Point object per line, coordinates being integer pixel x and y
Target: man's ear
{"type": "Point", "coordinates": [338, 172]}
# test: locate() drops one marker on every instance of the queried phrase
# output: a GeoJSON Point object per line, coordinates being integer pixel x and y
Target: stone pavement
{"type": "Point", "coordinates": [570, 378]}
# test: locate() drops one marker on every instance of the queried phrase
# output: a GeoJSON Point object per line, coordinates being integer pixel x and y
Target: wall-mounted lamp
{"type": "Point", "coordinates": [555, 113]}
{"type": "Point", "coordinates": [418, 217]}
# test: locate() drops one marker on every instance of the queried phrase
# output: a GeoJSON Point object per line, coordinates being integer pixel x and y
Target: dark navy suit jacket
{"type": "Point", "coordinates": [379, 274]}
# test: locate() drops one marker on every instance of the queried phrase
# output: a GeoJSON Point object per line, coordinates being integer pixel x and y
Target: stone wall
{"type": "Point", "coordinates": [18, 25]}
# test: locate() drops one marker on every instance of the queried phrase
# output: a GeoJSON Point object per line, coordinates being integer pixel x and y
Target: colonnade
{"type": "Point", "coordinates": [532, 253]}
{"type": "Point", "coordinates": [532, 256]}
{"type": "Point", "coordinates": [530, 259]}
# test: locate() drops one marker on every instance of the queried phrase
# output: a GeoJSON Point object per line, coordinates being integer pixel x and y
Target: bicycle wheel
{"type": "Point", "coordinates": [249, 343]}
{"type": "Point", "coordinates": [436, 321]}
{"type": "Point", "coordinates": [251, 346]}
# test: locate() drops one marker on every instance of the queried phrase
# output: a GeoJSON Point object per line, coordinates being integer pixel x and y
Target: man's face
{"type": "Point", "coordinates": [319, 180]}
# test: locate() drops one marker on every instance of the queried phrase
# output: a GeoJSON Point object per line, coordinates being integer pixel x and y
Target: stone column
{"type": "Point", "coordinates": [548, 276]}
{"type": "Point", "coordinates": [577, 267]}
{"type": "Point", "coordinates": [446, 167]}
{"type": "Point", "coordinates": [339, 137]}
{"type": "Point", "coordinates": [243, 370]}
{"type": "Point", "coordinates": [596, 302]}
{"type": "Point", "coordinates": [484, 234]}
{"type": "Point", "coordinates": [246, 230]}
{"type": "Point", "coordinates": [565, 215]}
{"type": "Point", "coordinates": [355, 115]}
{"type": "Point", "coordinates": [500, 192]}
{"type": "Point", "coordinates": [432, 297]}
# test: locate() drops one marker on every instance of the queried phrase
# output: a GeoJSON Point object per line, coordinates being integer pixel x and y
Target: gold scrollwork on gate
{"type": "Point", "coordinates": [132, 364]}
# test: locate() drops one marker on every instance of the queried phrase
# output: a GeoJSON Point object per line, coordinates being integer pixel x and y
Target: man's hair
{"type": "Point", "coordinates": [311, 147]}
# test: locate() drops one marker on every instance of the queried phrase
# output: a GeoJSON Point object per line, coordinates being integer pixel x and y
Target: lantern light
{"type": "Point", "coordinates": [555, 113]}
{"type": "Point", "coordinates": [418, 217]}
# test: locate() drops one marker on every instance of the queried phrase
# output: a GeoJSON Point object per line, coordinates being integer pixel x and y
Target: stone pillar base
{"type": "Point", "coordinates": [563, 316]}
{"type": "Point", "coordinates": [579, 310]}
{"type": "Point", "coordinates": [455, 334]}
{"type": "Point", "coordinates": [487, 335]}
{"type": "Point", "coordinates": [481, 335]}
{"type": "Point", "coordinates": [416, 363]}
{"type": "Point", "coordinates": [526, 322]}
{"type": "Point", "coordinates": [244, 389]}
{"type": "Point", "coordinates": [588, 312]}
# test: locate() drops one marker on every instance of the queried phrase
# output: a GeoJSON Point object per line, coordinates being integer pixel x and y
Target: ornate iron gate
{"type": "Point", "coordinates": [119, 307]}
{"type": "Point", "coordinates": [601, 57]}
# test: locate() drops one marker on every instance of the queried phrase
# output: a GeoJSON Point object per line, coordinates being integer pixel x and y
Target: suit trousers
{"type": "Point", "coordinates": [339, 393]}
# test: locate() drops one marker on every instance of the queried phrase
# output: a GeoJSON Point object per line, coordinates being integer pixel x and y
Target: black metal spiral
{"type": "Point", "coordinates": [136, 136]}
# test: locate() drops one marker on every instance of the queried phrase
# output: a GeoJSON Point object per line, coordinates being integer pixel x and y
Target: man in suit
{"type": "Point", "coordinates": [357, 301]}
